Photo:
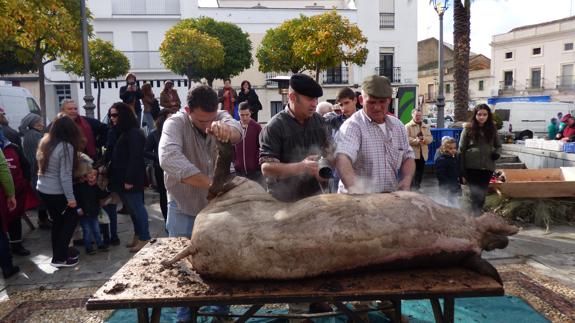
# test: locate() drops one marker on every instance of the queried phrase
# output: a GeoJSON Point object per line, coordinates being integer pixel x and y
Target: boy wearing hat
{"type": "Point", "coordinates": [292, 143]}
{"type": "Point", "coordinates": [372, 146]}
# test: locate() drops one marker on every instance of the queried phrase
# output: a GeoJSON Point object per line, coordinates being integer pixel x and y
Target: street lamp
{"type": "Point", "coordinates": [440, 7]}
{"type": "Point", "coordinates": [88, 98]}
{"type": "Point", "coordinates": [283, 87]}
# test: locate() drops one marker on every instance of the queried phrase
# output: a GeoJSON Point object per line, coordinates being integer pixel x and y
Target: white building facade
{"type": "Point", "coordinates": [535, 62]}
{"type": "Point", "coordinates": [137, 28]}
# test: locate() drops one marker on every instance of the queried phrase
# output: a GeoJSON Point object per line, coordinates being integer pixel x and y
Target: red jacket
{"type": "Point", "coordinates": [25, 197]}
{"type": "Point", "coordinates": [247, 151]}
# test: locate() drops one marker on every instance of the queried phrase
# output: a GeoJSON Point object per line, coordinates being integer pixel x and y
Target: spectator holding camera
{"type": "Point", "coordinates": [479, 148]}
{"type": "Point", "coordinates": [131, 94]}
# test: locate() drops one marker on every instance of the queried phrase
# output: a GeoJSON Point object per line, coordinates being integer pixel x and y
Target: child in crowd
{"type": "Point", "coordinates": [88, 196]}
{"type": "Point", "coordinates": [447, 171]}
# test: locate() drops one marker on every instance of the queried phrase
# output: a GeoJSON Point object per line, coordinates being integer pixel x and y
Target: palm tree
{"type": "Point", "coordinates": [461, 47]}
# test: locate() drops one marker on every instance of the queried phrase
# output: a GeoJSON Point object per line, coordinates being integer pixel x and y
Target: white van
{"type": "Point", "coordinates": [528, 119]}
{"type": "Point", "coordinates": [17, 102]}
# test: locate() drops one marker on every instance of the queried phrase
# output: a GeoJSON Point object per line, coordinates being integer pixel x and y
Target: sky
{"type": "Point", "coordinates": [491, 17]}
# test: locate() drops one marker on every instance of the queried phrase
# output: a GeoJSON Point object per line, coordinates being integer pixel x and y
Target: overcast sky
{"type": "Point", "coordinates": [492, 17]}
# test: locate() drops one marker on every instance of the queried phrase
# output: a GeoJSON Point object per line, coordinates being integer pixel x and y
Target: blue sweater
{"type": "Point", "coordinates": [57, 179]}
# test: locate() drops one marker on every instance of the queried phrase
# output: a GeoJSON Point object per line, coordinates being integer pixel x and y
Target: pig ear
{"type": "Point", "coordinates": [491, 223]}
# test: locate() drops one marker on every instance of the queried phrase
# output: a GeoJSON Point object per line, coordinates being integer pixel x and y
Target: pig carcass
{"type": "Point", "coordinates": [246, 234]}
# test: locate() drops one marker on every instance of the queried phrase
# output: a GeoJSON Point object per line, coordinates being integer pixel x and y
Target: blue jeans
{"type": "Point", "coordinates": [90, 229]}
{"type": "Point", "coordinates": [134, 202]}
{"type": "Point", "coordinates": [179, 224]}
{"type": "Point", "coordinates": [111, 210]}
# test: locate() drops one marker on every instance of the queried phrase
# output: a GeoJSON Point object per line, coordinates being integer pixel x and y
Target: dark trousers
{"type": "Point", "coordinates": [15, 230]}
{"type": "Point", "coordinates": [112, 211]}
{"type": "Point", "coordinates": [63, 224]}
{"type": "Point", "coordinates": [478, 181]}
{"type": "Point", "coordinates": [159, 173]}
{"type": "Point", "coordinates": [5, 255]}
{"type": "Point", "coordinates": [419, 169]}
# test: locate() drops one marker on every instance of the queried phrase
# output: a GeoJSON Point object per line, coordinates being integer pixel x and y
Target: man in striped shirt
{"type": "Point", "coordinates": [373, 154]}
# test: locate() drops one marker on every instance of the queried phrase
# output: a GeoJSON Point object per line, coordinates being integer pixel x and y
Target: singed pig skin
{"type": "Point", "coordinates": [245, 234]}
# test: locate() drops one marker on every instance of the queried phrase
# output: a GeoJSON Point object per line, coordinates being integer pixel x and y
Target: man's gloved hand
{"type": "Point", "coordinates": [495, 156]}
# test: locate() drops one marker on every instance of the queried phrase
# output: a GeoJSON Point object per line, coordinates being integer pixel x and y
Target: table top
{"type": "Point", "coordinates": [144, 282]}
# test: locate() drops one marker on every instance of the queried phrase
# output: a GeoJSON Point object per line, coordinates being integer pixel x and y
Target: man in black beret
{"type": "Point", "coordinates": [292, 143]}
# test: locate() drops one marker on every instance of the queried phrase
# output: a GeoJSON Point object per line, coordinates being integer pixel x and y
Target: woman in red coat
{"type": "Point", "coordinates": [25, 196]}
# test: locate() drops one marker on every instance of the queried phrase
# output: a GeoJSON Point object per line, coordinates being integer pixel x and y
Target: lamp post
{"type": "Point", "coordinates": [283, 87]}
{"type": "Point", "coordinates": [88, 98]}
{"type": "Point", "coordinates": [440, 7]}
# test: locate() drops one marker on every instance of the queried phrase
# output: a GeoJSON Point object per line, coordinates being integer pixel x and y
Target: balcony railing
{"type": "Point", "coordinates": [270, 75]}
{"type": "Point", "coordinates": [566, 82]}
{"type": "Point", "coordinates": [535, 84]}
{"type": "Point", "coordinates": [146, 7]}
{"type": "Point", "coordinates": [393, 74]}
{"type": "Point", "coordinates": [145, 60]}
{"type": "Point", "coordinates": [336, 75]}
{"type": "Point", "coordinates": [386, 20]}
{"type": "Point", "coordinates": [507, 86]}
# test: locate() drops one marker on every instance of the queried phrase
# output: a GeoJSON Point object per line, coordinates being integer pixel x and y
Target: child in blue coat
{"type": "Point", "coordinates": [447, 171]}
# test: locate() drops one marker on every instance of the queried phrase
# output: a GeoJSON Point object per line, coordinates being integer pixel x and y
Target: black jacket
{"type": "Point", "coordinates": [127, 164]}
{"type": "Point", "coordinates": [151, 150]}
{"type": "Point", "coordinates": [129, 97]}
{"type": "Point", "coordinates": [88, 198]}
{"type": "Point", "coordinates": [252, 98]}
{"type": "Point", "coordinates": [12, 135]}
{"type": "Point", "coordinates": [447, 172]}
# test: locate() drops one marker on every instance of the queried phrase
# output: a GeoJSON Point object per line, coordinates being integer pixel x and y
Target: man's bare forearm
{"type": "Point", "coordinates": [282, 170]}
{"type": "Point", "coordinates": [345, 170]}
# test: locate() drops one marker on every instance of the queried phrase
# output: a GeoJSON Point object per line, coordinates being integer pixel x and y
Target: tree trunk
{"type": "Point", "coordinates": [98, 100]}
{"type": "Point", "coordinates": [210, 81]}
{"type": "Point", "coordinates": [317, 73]}
{"type": "Point", "coordinates": [461, 40]}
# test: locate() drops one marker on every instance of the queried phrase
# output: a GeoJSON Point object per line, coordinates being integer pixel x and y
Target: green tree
{"type": "Point", "coordinates": [185, 51]}
{"type": "Point", "coordinates": [10, 60]}
{"type": "Point", "coordinates": [236, 43]}
{"type": "Point", "coordinates": [327, 40]}
{"type": "Point", "coordinates": [42, 31]}
{"type": "Point", "coordinates": [461, 48]}
{"type": "Point", "coordinates": [105, 63]}
{"type": "Point", "coordinates": [275, 53]}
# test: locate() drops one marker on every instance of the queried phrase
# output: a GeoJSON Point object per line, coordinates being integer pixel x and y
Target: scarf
{"type": "Point", "coordinates": [87, 131]}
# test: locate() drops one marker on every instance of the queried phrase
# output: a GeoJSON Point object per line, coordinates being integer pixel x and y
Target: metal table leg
{"type": "Point", "coordinates": [351, 314]}
{"type": "Point", "coordinates": [437, 312]}
{"type": "Point", "coordinates": [156, 313]}
{"type": "Point", "coordinates": [194, 314]}
{"type": "Point", "coordinates": [247, 314]}
{"type": "Point", "coordinates": [396, 311]}
{"type": "Point", "coordinates": [143, 315]}
{"type": "Point", "coordinates": [449, 309]}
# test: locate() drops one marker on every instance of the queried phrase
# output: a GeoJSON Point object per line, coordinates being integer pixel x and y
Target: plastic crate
{"type": "Point", "coordinates": [437, 134]}
{"type": "Point", "coordinates": [569, 147]}
{"type": "Point", "coordinates": [555, 145]}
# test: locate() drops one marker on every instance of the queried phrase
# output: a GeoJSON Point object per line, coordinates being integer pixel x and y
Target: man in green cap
{"type": "Point", "coordinates": [373, 154]}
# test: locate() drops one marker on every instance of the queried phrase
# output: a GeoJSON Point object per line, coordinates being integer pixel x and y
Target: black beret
{"type": "Point", "coordinates": [305, 85]}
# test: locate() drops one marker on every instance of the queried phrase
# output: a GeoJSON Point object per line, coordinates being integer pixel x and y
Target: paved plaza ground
{"type": "Point", "coordinates": [537, 266]}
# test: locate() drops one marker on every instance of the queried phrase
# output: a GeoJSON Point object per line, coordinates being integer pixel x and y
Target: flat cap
{"type": "Point", "coordinates": [305, 85]}
{"type": "Point", "coordinates": [377, 86]}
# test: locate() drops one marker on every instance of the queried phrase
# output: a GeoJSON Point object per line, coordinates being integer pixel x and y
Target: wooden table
{"type": "Point", "coordinates": [144, 283]}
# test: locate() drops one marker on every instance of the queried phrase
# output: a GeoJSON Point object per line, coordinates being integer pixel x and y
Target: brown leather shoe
{"type": "Point", "coordinates": [134, 241]}
{"type": "Point", "coordinates": [139, 245]}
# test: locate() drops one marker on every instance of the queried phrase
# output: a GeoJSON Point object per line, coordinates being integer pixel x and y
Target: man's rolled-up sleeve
{"type": "Point", "coordinates": [270, 144]}
{"type": "Point", "coordinates": [172, 159]}
{"type": "Point", "coordinates": [348, 140]}
{"type": "Point", "coordinates": [226, 118]}
{"type": "Point", "coordinates": [407, 149]}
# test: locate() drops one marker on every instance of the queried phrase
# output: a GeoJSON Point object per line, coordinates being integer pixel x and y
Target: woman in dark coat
{"type": "Point", "coordinates": [127, 170]}
{"type": "Point", "coordinates": [151, 153]}
{"type": "Point", "coordinates": [248, 94]}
